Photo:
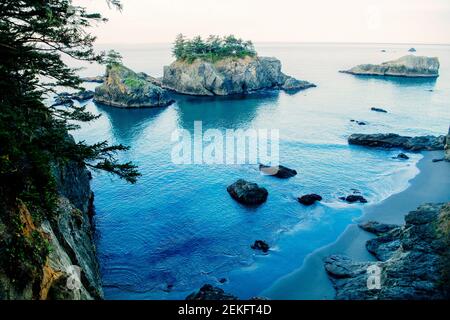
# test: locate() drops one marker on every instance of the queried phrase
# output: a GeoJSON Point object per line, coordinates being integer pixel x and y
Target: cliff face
{"type": "Point", "coordinates": [125, 88]}
{"type": "Point", "coordinates": [229, 76]}
{"type": "Point", "coordinates": [407, 66]}
{"type": "Point", "coordinates": [69, 235]}
{"type": "Point", "coordinates": [414, 259]}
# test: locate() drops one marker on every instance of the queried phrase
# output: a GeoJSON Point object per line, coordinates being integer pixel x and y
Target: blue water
{"type": "Point", "coordinates": [177, 228]}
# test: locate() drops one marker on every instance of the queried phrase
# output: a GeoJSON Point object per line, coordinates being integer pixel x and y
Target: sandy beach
{"type": "Point", "coordinates": [310, 282]}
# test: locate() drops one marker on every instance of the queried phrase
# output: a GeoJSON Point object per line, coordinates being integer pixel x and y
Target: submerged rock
{"type": "Point", "coordinates": [229, 76]}
{"type": "Point", "coordinates": [277, 171]}
{"type": "Point", "coordinates": [391, 140]}
{"type": "Point", "coordinates": [378, 110]}
{"type": "Point", "coordinates": [260, 245]}
{"type": "Point", "coordinates": [407, 66]}
{"type": "Point", "coordinates": [414, 260]}
{"type": "Point", "coordinates": [209, 292]}
{"type": "Point", "coordinates": [309, 199]}
{"type": "Point", "coordinates": [354, 198]}
{"type": "Point", "coordinates": [125, 88]}
{"type": "Point", "coordinates": [401, 156]}
{"type": "Point", "coordinates": [248, 193]}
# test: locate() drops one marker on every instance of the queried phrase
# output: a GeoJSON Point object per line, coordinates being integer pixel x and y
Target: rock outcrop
{"type": "Point", "coordinates": [407, 66]}
{"type": "Point", "coordinates": [378, 110]}
{"type": "Point", "coordinates": [281, 172]}
{"type": "Point", "coordinates": [229, 76]}
{"type": "Point", "coordinates": [66, 98]}
{"type": "Point", "coordinates": [125, 88]}
{"type": "Point", "coordinates": [260, 245]}
{"type": "Point", "coordinates": [354, 198]}
{"type": "Point", "coordinates": [247, 193]}
{"type": "Point", "coordinates": [447, 146]}
{"type": "Point", "coordinates": [70, 271]}
{"type": "Point", "coordinates": [309, 199]}
{"type": "Point", "coordinates": [414, 260]}
{"type": "Point", "coordinates": [209, 292]}
{"type": "Point", "coordinates": [391, 140]}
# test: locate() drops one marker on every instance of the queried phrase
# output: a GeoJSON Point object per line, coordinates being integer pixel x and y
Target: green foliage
{"type": "Point", "coordinates": [212, 49]}
{"type": "Point", "coordinates": [113, 58]}
{"type": "Point", "coordinates": [34, 35]}
{"type": "Point", "coordinates": [134, 83]}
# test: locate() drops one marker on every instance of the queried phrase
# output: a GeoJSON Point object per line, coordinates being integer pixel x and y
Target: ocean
{"type": "Point", "coordinates": [178, 228]}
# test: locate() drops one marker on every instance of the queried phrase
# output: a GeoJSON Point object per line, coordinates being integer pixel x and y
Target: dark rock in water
{"type": "Point", "coordinates": [412, 50]}
{"type": "Point", "coordinates": [248, 193]}
{"type": "Point", "coordinates": [97, 79]}
{"type": "Point", "coordinates": [413, 261]}
{"type": "Point", "coordinates": [354, 198]}
{"type": "Point", "coordinates": [65, 98]}
{"type": "Point", "coordinates": [376, 227]}
{"type": "Point", "coordinates": [438, 160]}
{"type": "Point", "coordinates": [309, 199]}
{"type": "Point", "coordinates": [277, 171]}
{"type": "Point", "coordinates": [408, 66]}
{"type": "Point", "coordinates": [209, 292]}
{"type": "Point", "coordinates": [391, 140]}
{"type": "Point", "coordinates": [378, 110]}
{"type": "Point", "coordinates": [125, 88]}
{"type": "Point", "coordinates": [360, 123]}
{"type": "Point", "coordinates": [229, 76]}
{"type": "Point", "coordinates": [383, 50]}
{"type": "Point", "coordinates": [401, 156]}
{"type": "Point", "coordinates": [222, 280]}
{"type": "Point", "coordinates": [260, 245]}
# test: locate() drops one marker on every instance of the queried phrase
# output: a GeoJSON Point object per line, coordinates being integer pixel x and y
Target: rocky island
{"type": "Point", "coordinates": [125, 88]}
{"type": "Point", "coordinates": [406, 66]}
{"type": "Point", "coordinates": [392, 140]}
{"type": "Point", "coordinates": [224, 66]}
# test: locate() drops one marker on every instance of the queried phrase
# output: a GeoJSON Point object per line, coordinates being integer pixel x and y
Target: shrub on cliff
{"type": "Point", "coordinates": [214, 48]}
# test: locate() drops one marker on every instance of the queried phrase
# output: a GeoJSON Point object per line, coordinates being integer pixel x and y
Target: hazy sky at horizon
{"type": "Point", "coordinates": [381, 21]}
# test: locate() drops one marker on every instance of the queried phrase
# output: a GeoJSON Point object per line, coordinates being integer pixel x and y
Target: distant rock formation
{"type": "Point", "coordinates": [65, 98]}
{"type": "Point", "coordinates": [96, 79]}
{"type": "Point", "coordinates": [447, 146]}
{"type": "Point", "coordinates": [125, 88]}
{"type": "Point", "coordinates": [412, 50]}
{"type": "Point", "coordinates": [378, 110]}
{"type": "Point", "coordinates": [406, 66]}
{"type": "Point", "coordinates": [229, 76]}
{"type": "Point", "coordinates": [414, 260]}
{"type": "Point", "coordinates": [392, 140]}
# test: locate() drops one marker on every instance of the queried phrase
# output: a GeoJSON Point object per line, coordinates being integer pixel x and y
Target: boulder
{"type": "Point", "coordinates": [401, 156]}
{"type": "Point", "coordinates": [247, 193]}
{"type": "Point", "coordinates": [391, 140]}
{"type": "Point", "coordinates": [277, 171]}
{"type": "Point", "coordinates": [209, 292]}
{"type": "Point", "coordinates": [229, 76]}
{"type": "Point", "coordinates": [260, 245]}
{"type": "Point", "coordinates": [354, 198]}
{"type": "Point", "coordinates": [407, 66]}
{"type": "Point", "coordinates": [309, 199]}
{"type": "Point", "coordinates": [125, 88]}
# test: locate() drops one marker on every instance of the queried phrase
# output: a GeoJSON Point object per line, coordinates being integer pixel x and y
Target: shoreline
{"type": "Point", "coordinates": [310, 281]}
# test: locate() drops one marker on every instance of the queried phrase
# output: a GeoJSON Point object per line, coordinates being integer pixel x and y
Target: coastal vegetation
{"type": "Point", "coordinates": [212, 49]}
{"type": "Point", "coordinates": [34, 139]}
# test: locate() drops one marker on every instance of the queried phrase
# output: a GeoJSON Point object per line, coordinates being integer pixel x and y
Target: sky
{"type": "Point", "coordinates": [356, 21]}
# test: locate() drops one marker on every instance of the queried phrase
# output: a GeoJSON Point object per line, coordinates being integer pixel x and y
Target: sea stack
{"type": "Point", "coordinates": [125, 88]}
{"type": "Point", "coordinates": [407, 66]}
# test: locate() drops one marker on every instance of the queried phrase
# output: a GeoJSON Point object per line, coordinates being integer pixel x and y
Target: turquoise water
{"type": "Point", "coordinates": [177, 228]}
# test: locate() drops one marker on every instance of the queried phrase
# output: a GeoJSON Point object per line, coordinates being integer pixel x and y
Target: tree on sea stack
{"type": "Point", "coordinates": [34, 35]}
{"type": "Point", "coordinates": [113, 58]}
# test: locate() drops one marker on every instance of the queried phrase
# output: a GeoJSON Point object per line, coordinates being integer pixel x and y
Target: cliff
{"type": "Point", "coordinates": [414, 259]}
{"type": "Point", "coordinates": [69, 243]}
{"type": "Point", "coordinates": [406, 66]}
{"type": "Point", "coordinates": [125, 88]}
{"type": "Point", "coordinates": [229, 76]}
